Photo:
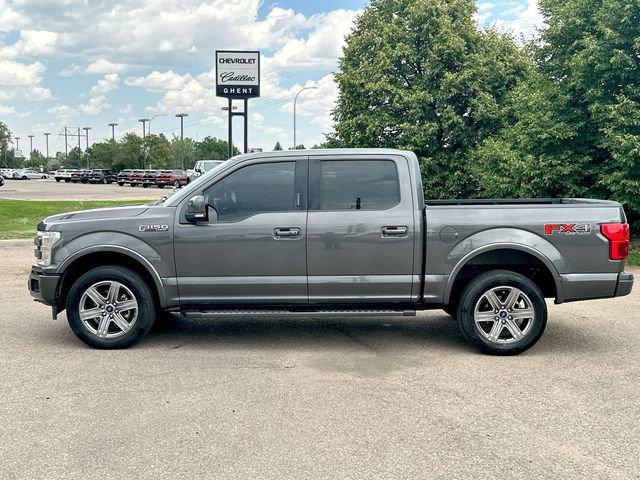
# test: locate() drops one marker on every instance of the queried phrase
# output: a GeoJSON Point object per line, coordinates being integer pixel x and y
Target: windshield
{"type": "Point", "coordinates": [192, 185]}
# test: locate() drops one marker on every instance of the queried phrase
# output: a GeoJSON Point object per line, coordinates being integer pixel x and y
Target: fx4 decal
{"type": "Point", "coordinates": [153, 228]}
{"type": "Point", "coordinates": [567, 228]}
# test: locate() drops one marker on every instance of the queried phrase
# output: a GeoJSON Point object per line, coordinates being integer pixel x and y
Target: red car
{"type": "Point", "coordinates": [135, 178]}
{"type": "Point", "coordinates": [177, 178]}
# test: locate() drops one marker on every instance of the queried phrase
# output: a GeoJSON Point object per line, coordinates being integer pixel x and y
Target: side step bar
{"type": "Point", "coordinates": [200, 314]}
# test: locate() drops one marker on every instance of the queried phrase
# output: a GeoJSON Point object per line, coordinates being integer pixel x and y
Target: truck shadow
{"type": "Point", "coordinates": [434, 331]}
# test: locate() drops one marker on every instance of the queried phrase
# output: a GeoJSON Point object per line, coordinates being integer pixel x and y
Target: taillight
{"type": "Point", "coordinates": [618, 236]}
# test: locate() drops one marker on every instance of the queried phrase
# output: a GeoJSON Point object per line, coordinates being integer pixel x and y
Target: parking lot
{"type": "Point", "coordinates": [52, 190]}
{"type": "Point", "coordinates": [347, 398]}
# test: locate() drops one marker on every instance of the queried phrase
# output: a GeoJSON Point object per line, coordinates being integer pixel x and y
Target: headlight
{"type": "Point", "coordinates": [44, 243]}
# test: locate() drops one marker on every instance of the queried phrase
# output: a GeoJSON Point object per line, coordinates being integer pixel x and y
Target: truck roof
{"type": "Point", "coordinates": [327, 151]}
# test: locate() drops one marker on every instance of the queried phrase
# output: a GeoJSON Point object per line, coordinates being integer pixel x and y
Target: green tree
{"type": "Point", "coordinates": [590, 50]}
{"type": "Point", "coordinates": [36, 159]}
{"type": "Point", "coordinates": [183, 152]}
{"type": "Point", "coordinates": [130, 152]}
{"type": "Point", "coordinates": [212, 148]}
{"type": "Point", "coordinates": [5, 139]}
{"type": "Point", "coordinates": [419, 75]}
{"type": "Point", "coordinates": [157, 151]}
{"type": "Point", "coordinates": [277, 147]}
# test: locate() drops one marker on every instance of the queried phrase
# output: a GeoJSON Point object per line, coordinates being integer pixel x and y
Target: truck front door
{"type": "Point", "coordinates": [254, 252]}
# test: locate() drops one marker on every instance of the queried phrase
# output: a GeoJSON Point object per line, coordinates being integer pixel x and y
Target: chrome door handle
{"type": "Point", "coordinates": [287, 232]}
{"type": "Point", "coordinates": [394, 231]}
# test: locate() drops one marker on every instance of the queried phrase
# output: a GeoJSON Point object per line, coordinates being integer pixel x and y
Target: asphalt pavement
{"type": "Point", "coordinates": [52, 190]}
{"type": "Point", "coordinates": [305, 399]}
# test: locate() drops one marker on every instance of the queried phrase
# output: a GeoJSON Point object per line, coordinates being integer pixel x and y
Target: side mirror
{"type": "Point", "coordinates": [196, 210]}
{"type": "Point", "coordinates": [199, 170]}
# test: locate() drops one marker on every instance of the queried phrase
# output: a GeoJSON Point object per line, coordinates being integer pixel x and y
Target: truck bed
{"type": "Point", "coordinates": [519, 201]}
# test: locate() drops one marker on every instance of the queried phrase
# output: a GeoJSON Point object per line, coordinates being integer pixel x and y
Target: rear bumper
{"type": "Point", "coordinates": [590, 286]}
{"type": "Point", "coordinates": [44, 288]}
{"type": "Point", "coordinates": [625, 284]}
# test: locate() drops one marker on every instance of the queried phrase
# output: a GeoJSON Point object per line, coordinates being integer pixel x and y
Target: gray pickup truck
{"type": "Point", "coordinates": [328, 233]}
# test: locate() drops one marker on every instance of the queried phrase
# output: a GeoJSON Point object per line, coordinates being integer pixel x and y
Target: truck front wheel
{"type": "Point", "coordinates": [502, 312]}
{"type": "Point", "coordinates": [110, 307]}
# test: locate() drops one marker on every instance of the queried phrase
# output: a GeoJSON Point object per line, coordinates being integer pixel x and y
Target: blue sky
{"type": "Point", "coordinates": [78, 63]}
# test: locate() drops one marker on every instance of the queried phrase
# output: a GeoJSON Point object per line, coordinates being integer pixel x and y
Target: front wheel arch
{"type": "Point", "coordinates": [81, 265]}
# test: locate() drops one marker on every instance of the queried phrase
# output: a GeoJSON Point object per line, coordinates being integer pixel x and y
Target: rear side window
{"type": "Point", "coordinates": [260, 188]}
{"type": "Point", "coordinates": [358, 185]}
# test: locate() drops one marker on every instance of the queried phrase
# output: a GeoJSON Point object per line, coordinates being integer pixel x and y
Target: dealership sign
{"type": "Point", "coordinates": [237, 74]}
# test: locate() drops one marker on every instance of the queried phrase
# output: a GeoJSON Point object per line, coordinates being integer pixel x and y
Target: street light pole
{"type": "Point", "coordinates": [46, 136]}
{"type": "Point", "coordinates": [295, 100]}
{"type": "Point", "coordinates": [30, 144]}
{"type": "Point", "coordinates": [151, 120]}
{"type": "Point", "coordinates": [86, 134]}
{"type": "Point", "coordinates": [144, 123]}
{"type": "Point", "coordinates": [181, 117]}
{"type": "Point", "coordinates": [17, 145]}
{"type": "Point", "coordinates": [113, 130]}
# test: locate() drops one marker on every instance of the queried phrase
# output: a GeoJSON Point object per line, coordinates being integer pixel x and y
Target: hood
{"type": "Point", "coordinates": [94, 214]}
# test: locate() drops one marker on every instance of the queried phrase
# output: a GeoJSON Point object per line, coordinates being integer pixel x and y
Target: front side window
{"type": "Point", "coordinates": [259, 188]}
{"type": "Point", "coordinates": [358, 185]}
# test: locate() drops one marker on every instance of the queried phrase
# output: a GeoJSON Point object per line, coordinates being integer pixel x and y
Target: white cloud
{"type": "Point", "coordinates": [33, 43]}
{"type": "Point", "coordinates": [323, 45]}
{"type": "Point", "coordinates": [105, 85]}
{"type": "Point", "coordinates": [62, 112]}
{"type": "Point", "coordinates": [159, 81]}
{"type": "Point", "coordinates": [6, 110]}
{"type": "Point", "coordinates": [70, 70]}
{"type": "Point", "coordinates": [526, 24]}
{"type": "Point", "coordinates": [19, 74]}
{"type": "Point", "coordinates": [102, 66]}
{"type": "Point", "coordinates": [95, 105]}
{"type": "Point", "coordinates": [315, 104]}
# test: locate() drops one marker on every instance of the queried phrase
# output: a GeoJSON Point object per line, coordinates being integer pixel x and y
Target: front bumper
{"type": "Point", "coordinates": [44, 288]}
{"type": "Point", "coordinates": [624, 285]}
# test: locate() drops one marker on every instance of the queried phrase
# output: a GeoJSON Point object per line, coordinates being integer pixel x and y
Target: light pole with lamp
{"type": "Point", "coordinates": [295, 145]}
{"type": "Point", "coordinates": [143, 121]}
{"type": "Point", "coordinates": [151, 120]}
{"type": "Point", "coordinates": [181, 117]}
{"type": "Point", "coordinates": [46, 136]}
{"type": "Point", "coordinates": [113, 130]}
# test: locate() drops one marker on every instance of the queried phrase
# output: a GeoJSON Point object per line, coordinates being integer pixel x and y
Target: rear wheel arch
{"type": "Point", "coordinates": [516, 258]}
{"type": "Point", "coordinates": [116, 257]}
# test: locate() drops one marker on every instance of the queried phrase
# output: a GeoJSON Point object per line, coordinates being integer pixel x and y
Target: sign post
{"type": "Point", "coordinates": [238, 78]}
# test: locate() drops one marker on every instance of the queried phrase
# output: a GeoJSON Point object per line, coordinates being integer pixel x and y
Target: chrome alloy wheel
{"type": "Point", "coordinates": [108, 309]}
{"type": "Point", "coordinates": [504, 315]}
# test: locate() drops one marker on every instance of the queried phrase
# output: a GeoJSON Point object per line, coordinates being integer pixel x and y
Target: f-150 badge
{"type": "Point", "coordinates": [153, 228]}
{"type": "Point", "coordinates": [567, 228]}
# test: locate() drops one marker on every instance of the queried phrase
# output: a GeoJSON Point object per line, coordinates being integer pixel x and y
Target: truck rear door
{"type": "Point", "coordinates": [360, 229]}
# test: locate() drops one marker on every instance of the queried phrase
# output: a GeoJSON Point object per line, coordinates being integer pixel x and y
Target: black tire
{"type": "Point", "coordinates": [58, 180]}
{"type": "Point", "coordinates": [66, 180]}
{"type": "Point", "coordinates": [507, 345]}
{"type": "Point", "coordinates": [105, 181]}
{"type": "Point", "coordinates": [160, 185]}
{"type": "Point", "coordinates": [146, 312]}
{"type": "Point", "coordinates": [176, 184]}
{"type": "Point", "coordinates": [121, 184]}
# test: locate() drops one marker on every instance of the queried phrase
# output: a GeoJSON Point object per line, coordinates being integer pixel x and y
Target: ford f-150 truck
{"type": "Point", "coordinates": [328, 233]}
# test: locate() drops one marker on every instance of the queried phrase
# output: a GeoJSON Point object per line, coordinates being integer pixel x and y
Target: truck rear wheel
{"type": "Point", "coordinates": [502, 312]}
{"type": "Point", "coordinates": [110, 307]}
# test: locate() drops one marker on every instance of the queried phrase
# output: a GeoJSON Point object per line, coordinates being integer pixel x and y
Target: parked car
{"type": "Point", "coordinates": [177, 178]}
{"type": "Point", "coordinates": [135, 178]}
{"type": "Point", "coordinates": [76, 176]}
{"type": "Point", "coordinates": [101, 175]}
{"type": "Point", "coordinates": [203, 166]}
{"type": "Point", "coordinates": [28, 174]}
{"type": "Point", "coordinates": [149, 178]}
{"type": "Point", "coordinates": [325, 233]}
{"type": "Point", "coordinates": [6, 173]}
{"type": "Point", "coordinates": [1, 180]}
{"type": "Point", "coordinates": [62, 174]}
{"type": "Point", "coordinates": [123, 177]}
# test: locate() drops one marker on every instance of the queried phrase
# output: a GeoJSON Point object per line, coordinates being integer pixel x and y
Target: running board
{"type": "Point", "coordinates": [200, 314]}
